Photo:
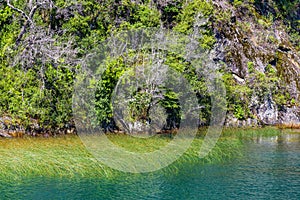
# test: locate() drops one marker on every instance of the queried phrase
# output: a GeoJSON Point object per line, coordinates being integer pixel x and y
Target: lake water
{"type": "Point", "coordinates": [269, 169]}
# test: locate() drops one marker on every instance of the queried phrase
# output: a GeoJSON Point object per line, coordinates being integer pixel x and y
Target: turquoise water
{"type": "Point", "coordinates": [269, 169]}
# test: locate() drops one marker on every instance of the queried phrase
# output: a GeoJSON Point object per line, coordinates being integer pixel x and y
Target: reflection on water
{"type": "Point", "coordinates": [286, 137]}
{"type": "Point", "coordinates": [270, 169]}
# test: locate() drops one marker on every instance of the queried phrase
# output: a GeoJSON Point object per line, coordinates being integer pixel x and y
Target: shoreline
{"type": "Point", "coordinates": [7, 133]}
{"type": "Point", "coordinates": [67, 156]}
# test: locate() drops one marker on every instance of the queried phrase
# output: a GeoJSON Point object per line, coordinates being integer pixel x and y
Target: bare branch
{"type": "Point", "coordinates": [29, 17]}
{"type": "Point", "coordinates": [18, 10]}
{"type": "Point", "coordinates": [40, 46]}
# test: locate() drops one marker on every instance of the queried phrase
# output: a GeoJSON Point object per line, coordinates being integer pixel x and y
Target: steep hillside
{"type": "Point", "coordinates": [256, 45]}
{"type": "Point", "coordinates": [261, 50]}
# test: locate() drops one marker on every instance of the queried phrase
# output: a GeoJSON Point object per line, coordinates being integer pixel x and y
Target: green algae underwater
{"type": "Point", "coordinates": [260, 163]}
{"type": "Point", "coordinates": [66, 156]}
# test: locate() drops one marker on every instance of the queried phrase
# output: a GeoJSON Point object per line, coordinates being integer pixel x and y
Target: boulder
{"type": "Point", "coordinates": [4, 134]}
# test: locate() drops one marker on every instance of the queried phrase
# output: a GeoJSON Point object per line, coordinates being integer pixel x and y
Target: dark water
{"type": "Point", "coordinates": [269, 169]}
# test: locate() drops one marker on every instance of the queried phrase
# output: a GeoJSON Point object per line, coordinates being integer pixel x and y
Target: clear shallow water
{"type": "Point", "coordinates": [269, 169]}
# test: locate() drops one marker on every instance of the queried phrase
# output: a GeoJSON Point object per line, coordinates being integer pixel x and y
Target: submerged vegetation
{"type": "Point", "coordinates": [73, 67]}
{"type": "Point", "coordinates": [66, 156]}
{"type": "Point", "coordinates": [251, 133]}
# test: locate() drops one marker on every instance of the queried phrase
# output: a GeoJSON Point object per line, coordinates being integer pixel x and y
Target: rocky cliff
{"type": "Point", "coordinates": [262, 61]}
{"type": "Point", "coordinates": [256, 44]}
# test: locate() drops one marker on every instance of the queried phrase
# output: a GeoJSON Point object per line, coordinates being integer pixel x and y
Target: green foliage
{"type": "Point", "coordinates": [280, 98]}
{"type": "Point", "coordinates": [264, 83]}
{"type": "Point", "coordinates": [24, 97]}
{"type": "Point", "coordinates": [251, 68]}
{"type": "Point", "coordinates": [141, 100]}
{"type": "Point", "coordinates": [113, 71]}
{"type": "Point", "coordinates": [78, 25]}
{"type": "Point", "coordinates": [258, 84]}
{"type": "Point", "coordinates": [46, 93]}
{"type": "Point", "coordinates": [238, 97]}
{"type": "Point", "coordinates": [239, 112]}
{"type": "Point", "coordinates": [199, 10]}
{"type": "Point", "coordinates": [146, 17]}
{"type": "Point", "coordinates": [237, 3]}
{"type": "Point", "coordinates": [56, 100]}
{"type": "Point", "coordinates": [5, 15]}
{"type": "Point", "coordinates": [293, 102]}
{"type": "Point", "coordinates": [187, 16]}
{"type": "Point", "coordinates": [207, 41]}
{"type": "Point", "coordinates": [139, 105]}
{"type": "Point", "coordinates": [16, 89]}
{"type": "Point", "coordinates": [43, 90]}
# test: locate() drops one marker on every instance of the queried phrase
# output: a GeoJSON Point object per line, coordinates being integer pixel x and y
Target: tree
{"type": "Point", "coordinates": [42, 65]}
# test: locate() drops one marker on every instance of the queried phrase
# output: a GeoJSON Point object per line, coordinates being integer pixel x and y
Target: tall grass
{"type": "Point", "coordinates": [67, 156]}
{"type": "Point", "coordinates": [63, 156]}
{"type": "Point", "coordinates": [250, 133]}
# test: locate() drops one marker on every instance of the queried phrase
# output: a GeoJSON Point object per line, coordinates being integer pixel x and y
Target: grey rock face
{"type": "Point", "coordinates": [264, 48]}
{"type": "Point", "coordinates": [232, 121]}
{"type": "Point", "coordinates": [289, 116]}
{"type": "Point", "coordinates": [268, 112]}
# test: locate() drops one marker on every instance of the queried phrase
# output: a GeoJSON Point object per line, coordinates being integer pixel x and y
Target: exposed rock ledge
{"type": "Point", "coordinates": [3, 134]}
{"type": "Point", "coordinates": [268, 115]}
{"type": "Point", "coordinates": [8, 129]}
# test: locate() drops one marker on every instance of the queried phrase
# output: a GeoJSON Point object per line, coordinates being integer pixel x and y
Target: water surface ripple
{"type": "Point", "coordinates": [269, 169]}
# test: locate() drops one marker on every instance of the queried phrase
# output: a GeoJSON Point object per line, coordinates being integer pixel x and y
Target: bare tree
{"type": "Point", "coordinates": [39, 45]}
{"type": "Point", "coordinates": [32, 7]}
{"type": "Point", "coordinates": [137, 96]}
